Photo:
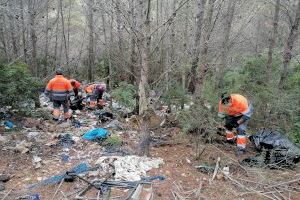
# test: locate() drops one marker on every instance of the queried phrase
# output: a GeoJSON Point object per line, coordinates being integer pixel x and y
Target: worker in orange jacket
{"type": "Point", "coordinates": [95, 92]}
{"type": "Point", "coordinates": [76, 87]}
{"type": "Point", "coordinates": [236, 110]}
{"type": "Point", "coordinates": [59, 90]}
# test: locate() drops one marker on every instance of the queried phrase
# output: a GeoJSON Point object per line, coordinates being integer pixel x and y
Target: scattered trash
{"type": "Point", "coordinates": [4, 177]}
{"type": "Point", "coordinates": [205, 168]}
{"type": "Point", "coordinates": [37, 162]}
{"type": "Point", "coordinates": [36, 159]}
{"type": "Point", "coordinates": [65, 157]}
{"type": "Point", "coordinates": [131, 167]}
{"type": "Point", "coordinates": [115, 124]}
{"type": "Point", "coordinates": [23, 147]}
{"type": "Point", "coordinates": [77, 104]}
{"type": "Point", "coordinates": [96, 134]}
{"type": "Point", "coordinates": [65, 140]}
{"type": "Point", "coordinates": [30, 197]}
{"type": "Point", "coordinates": [104, 116]}
{"type": "Point", "coordinates": [81, 168]}
{"type": "Point", "coordinates": [76, 123]}
{"type": "Point", "coordinates": [8, 124]}
{"type": "Point", "coordinates": [152, 178]}
{"type": "Point", "coordinates": [226, 171]}
{"type": "Point", "coordinates": [2, 186]}
{"type": "Point", "coordinates": [33, 135]}
{"type": "Point", "coordinates": [275, 149]}
{"type": "Point", "coordinates": [3, 139]}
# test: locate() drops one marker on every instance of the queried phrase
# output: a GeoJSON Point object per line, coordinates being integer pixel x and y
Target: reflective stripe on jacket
{"type": "Point", "coordinates": [59, 88]}
{"type": "Point", "coordinates": [239, 106]}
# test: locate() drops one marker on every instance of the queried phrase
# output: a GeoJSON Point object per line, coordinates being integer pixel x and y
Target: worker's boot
{"type": "Point", "coordinates": [67, 115]}
{"type": "Point", "coordinates": [230, 137]}
{"type": "Point", "coordinates": [241, 141]}
{"type": "Point", "coordinates": [56, 114]}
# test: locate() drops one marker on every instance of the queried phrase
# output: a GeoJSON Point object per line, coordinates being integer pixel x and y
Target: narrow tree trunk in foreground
{"type": "Point", "coordinates": [272, 40]}
{"type": "Point", "coordinates": [287, 53]}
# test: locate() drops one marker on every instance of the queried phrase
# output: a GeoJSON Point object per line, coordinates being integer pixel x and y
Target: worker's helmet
{"type": "Point", "coordinates": [225, 98]}
{"type": "Point", "coordinates": [59, 71]}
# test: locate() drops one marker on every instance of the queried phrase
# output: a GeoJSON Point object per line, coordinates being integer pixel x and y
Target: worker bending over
{"type": "Point", "coordinates": [95, 92]}
{"type": "Point", "coordinates": [236, 110]}
{"type": "Point", "coordinates": [76, 87]}
{"type": "Point", "coordinates": [59, 90]}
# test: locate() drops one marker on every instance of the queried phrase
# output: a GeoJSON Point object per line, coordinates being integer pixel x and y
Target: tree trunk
{"type": "Point", "coordinates": [287, 53]}
{"type": "Point", "coordinates": [32, 14]}
{"type": "Point", "coordinates": [120, 35]}
{"type": "Point", "coordinates": [23, 30]}
{"type": "Point", "coordinates": [203, 65]}
{"type": "Point", "coordinates": [133, 75]}
{"type": "Point", "coordinates": [111, 40]}
{"type": "Point", "coordinates": [225, 42]}
{"type": "Point", "coordinates": [196, 46]}
{"type": "Point", "coordinates": [56, 34]}
{"type": "Point", "coordinates": [143, 44]}
{"type": "Point", "coordinates": [272, 41]}
{"type": "Point", "coordinates": [107, 48]}
{"type": "Point", "coordinates": [68, 37]}
{"type": "Point", "coordinates": [12, 27]}
{"type": "Point", "coordinates": [3, 36]}
{"type": "Point", "coordinates": [46, 39]}
{"type": "Point", "coordinates": [64, 37]}
{"type": "Point", "coordinates": [91, 54]}
{"type": "Point", "coordinates": [185, 47]}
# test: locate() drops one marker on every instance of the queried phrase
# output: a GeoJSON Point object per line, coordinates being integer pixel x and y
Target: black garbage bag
{"type": "Point", "coordinates": [276, 150]}
{"type": "Point", "coordinates": [76, 104]}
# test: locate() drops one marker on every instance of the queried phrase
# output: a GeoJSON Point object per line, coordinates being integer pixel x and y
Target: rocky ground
{"type": "Point", "coordinates": [38, 149]}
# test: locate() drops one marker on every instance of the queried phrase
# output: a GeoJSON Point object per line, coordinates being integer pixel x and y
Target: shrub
{"type": "Point", "coordinates": [175, 95]}
{"type": "Point", "coordinates": [114, 141]}
{"type": "Point", "coordinates": [125, 94]}
{"type": "Point", "coordinates": [17, 87]}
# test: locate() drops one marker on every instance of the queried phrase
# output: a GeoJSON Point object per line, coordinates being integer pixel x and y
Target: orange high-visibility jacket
{"type": "Point", "coordinates": [77, 84]}
{"type": "Point", "coordinates": [239, 106]}
{"type": "Point", "coordinates": [89, 89]}
{"type": "Point", "coordinates": [59, 88]}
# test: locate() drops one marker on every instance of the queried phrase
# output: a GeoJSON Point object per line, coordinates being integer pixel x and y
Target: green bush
{"type": "Point", "coordinates": [17, 87]}
{"type": "Point", "coordinates": [175, 95]}
{"type": "Point", "coordinates": [274, 108]}
{"type": "Point", "coordinates": [125, 94]}
{"type": "Point", "coordinates": [114, 141]}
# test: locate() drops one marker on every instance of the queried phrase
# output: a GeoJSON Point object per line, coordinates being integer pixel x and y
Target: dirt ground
{"type": "Point", "coordinates": [182, 179]}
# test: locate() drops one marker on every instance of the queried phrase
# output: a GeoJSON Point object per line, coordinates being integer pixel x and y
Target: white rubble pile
{"type": "Point", "coordinates": [129, 168]}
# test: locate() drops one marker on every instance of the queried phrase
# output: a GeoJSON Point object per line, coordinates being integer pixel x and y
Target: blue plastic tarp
{"type": "Point", "coordinates": [96, 134]}
{"type": "Point", "coordinates": [83, 167]}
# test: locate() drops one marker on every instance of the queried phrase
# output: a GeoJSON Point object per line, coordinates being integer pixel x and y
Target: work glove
{"type": "Point", "coordinates": [72, 98]}
{"type": "Point", "coordinates": [221, 115]}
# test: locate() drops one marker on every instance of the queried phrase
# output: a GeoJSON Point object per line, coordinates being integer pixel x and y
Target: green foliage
{"type": "Point", "coordinates": [125, 94]}
{"type": "Point", "coordinates": [273, 107]}
{"type": "Point", "coordinates": [197, 118]}
{"type": "Point", "coordinates": [114, 141]}
{"type": "Point", "coordinates": [175, 95]}
{"type": "Point", "coordinates": [17, 87]}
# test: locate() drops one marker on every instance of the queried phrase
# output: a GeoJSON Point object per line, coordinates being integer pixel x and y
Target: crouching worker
{"type": "Point", "coordinates": [58, 90]}
{"type": "Point", "coordinates": [76, 88]}
{"type": "Point", "coordinates": [236, 110]}
{"type": "Point", "coordinates": [95, 92]}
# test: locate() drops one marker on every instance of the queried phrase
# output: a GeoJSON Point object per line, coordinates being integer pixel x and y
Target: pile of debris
{"type": "Point", "coordinates": [275, 150]}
